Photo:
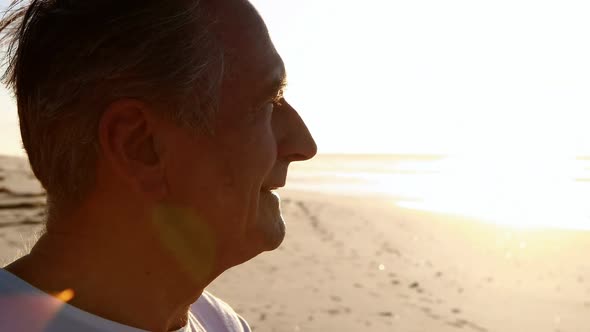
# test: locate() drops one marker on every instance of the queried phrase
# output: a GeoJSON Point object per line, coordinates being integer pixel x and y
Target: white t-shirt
{"type": "Point", "coordinates": [26, 308]}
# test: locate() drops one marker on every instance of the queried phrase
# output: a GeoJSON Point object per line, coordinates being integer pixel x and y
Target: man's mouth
{"type": "Point", "coordinates": [271, 189]}
{"type": "Point", "coordinates": [271, 192]}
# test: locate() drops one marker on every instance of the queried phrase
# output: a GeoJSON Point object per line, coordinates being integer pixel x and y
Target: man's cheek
{"type": "Point", "coordinates": [269, 151]}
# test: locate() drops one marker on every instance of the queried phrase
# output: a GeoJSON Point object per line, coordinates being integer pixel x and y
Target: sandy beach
{"type": "Point", "coordinates": [356, 262]}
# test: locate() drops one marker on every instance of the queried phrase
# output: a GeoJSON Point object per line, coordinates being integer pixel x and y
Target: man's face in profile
{"type": "Point", "coordinates": [224, 180]}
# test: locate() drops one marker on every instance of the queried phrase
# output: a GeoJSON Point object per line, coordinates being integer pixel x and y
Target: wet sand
{"type": "Point", "coordinates": [358, 263]}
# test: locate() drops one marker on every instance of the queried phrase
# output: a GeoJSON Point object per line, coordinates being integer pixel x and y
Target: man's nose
{"type": "Point", "coordinates": [294, 141]}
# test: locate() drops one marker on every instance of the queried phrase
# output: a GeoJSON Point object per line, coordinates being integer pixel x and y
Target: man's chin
{"type": "Point", "coordinates": [272, 239]}
{"type": "Point", "coordinates": [267, 237]}
{"type": "Point", "coordinates": [271, 225]}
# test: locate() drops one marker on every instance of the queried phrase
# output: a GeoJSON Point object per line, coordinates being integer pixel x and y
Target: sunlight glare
{"type": "Point", "coordinates": [534, 192]}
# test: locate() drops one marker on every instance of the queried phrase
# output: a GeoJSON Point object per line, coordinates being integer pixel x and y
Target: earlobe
{"type": "Point", "coordinates": [127, 137]}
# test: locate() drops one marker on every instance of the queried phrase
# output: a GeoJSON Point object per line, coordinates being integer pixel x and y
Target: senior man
{"type": "Point", "coordinates": [159, 130]}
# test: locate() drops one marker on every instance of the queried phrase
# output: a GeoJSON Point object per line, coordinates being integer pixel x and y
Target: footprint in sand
{"type": "Point", "coordinates": [374, 294]}
{"type": "Point", "coordinates": [416, 286]}
{"type": "Point", "coordinates": [336, 298]}
{"type": "Point", "coordinates": [315, 222]}
{"type": "Point", "coordinates": [333, 312]}
{"type": "Point", "coordinates": [388, 249]}
{"type": "Point", "coordinates": [460, 323]}
{"type": "Point", "coordinates": [428, 312]}
{"type": "Point", "coordinates": [385, 314]}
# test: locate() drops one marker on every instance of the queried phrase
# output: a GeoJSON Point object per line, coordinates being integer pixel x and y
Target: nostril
{"type": "Point", "coordinates": [299, 157]}
{"type": "Point", "coordinates": [309, 149]}
{"type": "Point", "coordinates": [301, 150]}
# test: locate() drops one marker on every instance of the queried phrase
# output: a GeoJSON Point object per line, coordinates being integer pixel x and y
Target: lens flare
{"type": "Point", "coordinates": [65, 295]}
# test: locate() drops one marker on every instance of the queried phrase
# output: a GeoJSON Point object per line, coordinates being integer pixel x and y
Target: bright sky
{"type": "Point", "coordinates": [430, 76]}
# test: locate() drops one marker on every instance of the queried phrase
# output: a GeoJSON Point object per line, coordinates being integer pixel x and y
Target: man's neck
{"type": "Point", "coordinates": [122, 277]}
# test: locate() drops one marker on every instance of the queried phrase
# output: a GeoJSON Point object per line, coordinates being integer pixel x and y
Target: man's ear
{"type": "Point", "coordinates": [127, 134]}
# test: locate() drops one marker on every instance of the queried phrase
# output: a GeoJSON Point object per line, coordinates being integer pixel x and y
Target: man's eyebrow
{"type": "Point", "coordinates": [279, 87]}
{"type": "Point", "coordinates": [274, 87]}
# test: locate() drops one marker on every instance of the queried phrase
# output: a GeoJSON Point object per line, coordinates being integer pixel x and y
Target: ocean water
{"type": "Point", "coordinates": [519, 191]}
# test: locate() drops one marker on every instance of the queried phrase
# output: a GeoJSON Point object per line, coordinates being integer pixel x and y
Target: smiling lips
{"type": "Point", "coordinates": [270, 188]}
{"type": "Point", "coordinates": [269, 191]}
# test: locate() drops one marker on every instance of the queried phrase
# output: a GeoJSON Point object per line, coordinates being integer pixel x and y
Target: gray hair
{"type": "Point", "coordinates": [68, 59]}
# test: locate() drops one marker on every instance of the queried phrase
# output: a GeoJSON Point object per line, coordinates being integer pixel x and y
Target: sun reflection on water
{"type": "Point", "coordinates": [510, 190]}
{"type": "Point", "coordinates": [518, 192]}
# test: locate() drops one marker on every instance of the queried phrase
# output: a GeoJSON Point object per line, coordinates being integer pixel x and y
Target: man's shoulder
{"type": "Point", "coordinates": [26, 308]}
{"type": "Point", "coordinates": [216, 315]}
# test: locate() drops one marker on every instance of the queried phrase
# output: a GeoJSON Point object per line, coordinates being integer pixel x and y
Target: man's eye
{"type": "Point", "coordinates": [270, 105]}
